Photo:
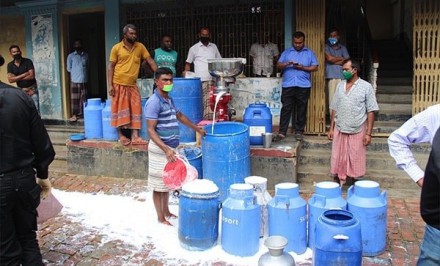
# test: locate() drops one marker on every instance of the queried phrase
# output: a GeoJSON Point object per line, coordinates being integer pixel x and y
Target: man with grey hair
{"type": "Point", "coordinates": [123, 70]}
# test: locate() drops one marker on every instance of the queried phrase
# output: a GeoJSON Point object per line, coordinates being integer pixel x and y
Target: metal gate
{"type": "Point", "coordinates": [234, 25]}
{"type": "Point", "coordinates": [426, 43]}
{"type": "Point", "coordinates": [310, 19]}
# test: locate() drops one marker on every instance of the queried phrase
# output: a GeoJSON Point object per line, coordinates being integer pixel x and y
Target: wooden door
{"type": "Point", "coordinates": [426, 51]}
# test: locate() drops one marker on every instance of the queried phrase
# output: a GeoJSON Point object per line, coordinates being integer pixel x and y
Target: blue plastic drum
{"type": "Point", "coordinates": [241, 221]}
{"type": "Point", "coordinates": [226, 155]}
{"type": "Point", "coordinates": [108, 132]}
{"type": "Point", "coordinates": [369, 205]}
{"type": "Point", "coordinates": [144, 131]}
{"type": "Point", "coordinates": [338, 239]}
{"type": "Point", "coordinates": [93, 119]}
{"type": "Point", "coordinates": [198, 215]}
{"type": "Point", "coordinates": [288, 217]}
{"type": "Point", "coordinates": [187, 96]}
{"type": "Point", "coordinates": [259, 119]}
{"type": "Point", "coordinates": [194, 156]}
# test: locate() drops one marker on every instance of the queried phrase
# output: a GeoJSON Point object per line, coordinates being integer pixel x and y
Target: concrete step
{"type": "Point", "coordinates": [375, 160]}
{"type": "Point", "coordinates": [394, 81]}
{"type": "Point", "coordinates": [394, 73]}
{"type": "Point", "coordinates": [390, 180]}
{"type": "Point", "coordinates": [58, 167]}
{"type": "Point", "coordinates": [404, 65]}
{"type": "Point", "coordinates": [394, 98]}
{"type": "Point", "coordinates": [394, 108]}
{"type": "Point", "coordinates": [377, 144]}
{"type": "Point", "coordinates": [386, 126]}
{"type": "Point", "coordinates": [394, 89]}
{"type": "Point", "coordinates": [60, 132]}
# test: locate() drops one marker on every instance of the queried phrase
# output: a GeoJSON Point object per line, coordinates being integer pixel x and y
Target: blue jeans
{"type": "Point", "coordinates": [430, 249]}
{"type": "Point", "coordinates": [36, 99]}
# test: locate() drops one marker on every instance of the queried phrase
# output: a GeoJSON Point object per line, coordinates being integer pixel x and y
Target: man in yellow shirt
{"type": "Point", "coordinates": [123, 70]}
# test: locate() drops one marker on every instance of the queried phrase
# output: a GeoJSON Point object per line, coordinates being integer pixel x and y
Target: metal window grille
{"type": "Point", "coordinates": [234, 25]}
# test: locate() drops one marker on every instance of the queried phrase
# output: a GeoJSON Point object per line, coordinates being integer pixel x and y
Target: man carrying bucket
{"type": "Point", "coordinates": [352, 119]}
{"type": "Point", "coordinates": [163, 129]}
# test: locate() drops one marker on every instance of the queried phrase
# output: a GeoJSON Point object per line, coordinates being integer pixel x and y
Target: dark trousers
{"type": "Point", "coordinates": [19, 198]}
{"type": "Point", "coordinates": [294, 103]}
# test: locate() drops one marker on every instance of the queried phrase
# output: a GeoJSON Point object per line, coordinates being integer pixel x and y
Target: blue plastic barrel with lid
{"type": "Point", "coordinates": [187, 96]}
{"type": "Point", "coordinates": [288, 217]}
{"type": "Point", "coordinates": [369, 205]}
{"type": "Point", "coordinates": [328, 195]}
{"type": "Point", "coordinates": [259, 119]}
{"type": "Point", "coordinates": [93, 118]}
{"type": "Point", "coordinates": [198, 215]}
{"type": "Point", "coordinates": [108, 132]}
{"type": "Point", "coordinates": [338, 239]}
{"type": "Point", "coordinates": [143, 133]}
{"type": "Point", "coordinates": [241, 221]}
{"type": "Point", "coordinates": [226, 154]}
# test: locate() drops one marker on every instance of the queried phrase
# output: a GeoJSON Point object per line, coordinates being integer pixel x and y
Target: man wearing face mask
{"type": "Point", "coordinates": [352, 119]}
{"type": "Point", "coordinates": [77, 66]}
{"type": "Point", "coordinates": [335, 54]}
{"type": "Point", "coordinates": [21, 70]}
{"type": "Point", "coordinates": [165, 56]}
{"type": "Point", "coordinates": [199, 54]}
{"type": "Point", "coordinates": [162, 116]}
{"type": "Point", "coordinates": [122, 73]}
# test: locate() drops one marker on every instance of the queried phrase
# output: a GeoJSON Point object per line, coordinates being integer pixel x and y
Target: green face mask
{"type": "Point", "coordinates": [347, 74]}
{"type": "Point", "coordinates": [168, 87]}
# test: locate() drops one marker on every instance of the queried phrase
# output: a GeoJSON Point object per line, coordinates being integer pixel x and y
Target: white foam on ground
{"type": "Point", "coordinates": [135, 222]}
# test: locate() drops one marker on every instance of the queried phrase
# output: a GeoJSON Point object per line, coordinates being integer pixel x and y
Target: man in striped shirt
{"type": "Point", "coordinates": [352, 118]}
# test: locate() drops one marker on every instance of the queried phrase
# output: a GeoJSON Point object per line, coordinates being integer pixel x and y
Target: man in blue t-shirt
{"type": "Point", "coordinates": [162, 116]}
{"type": "Point", "coordinates": [335, 54]}
{"type": "Point", "coordinates": [297, 63]}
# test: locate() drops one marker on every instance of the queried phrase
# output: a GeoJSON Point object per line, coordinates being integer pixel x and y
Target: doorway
{"type": "Point", "coordinates": [89, 28]}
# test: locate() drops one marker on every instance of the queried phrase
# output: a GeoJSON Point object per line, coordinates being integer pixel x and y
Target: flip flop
{"type": "Point", "coordinates": [73, 119]}
{"type": "Point", "coordinates": [171, 216]}
{"type": "Point", "coordinates": [166, 223]}
{"type": "Point", "coordinates": [124, 141]}
{"type": "Point", "coordinates": [139, 141]}
{"type": "Point", "coordinates": [278, 137]}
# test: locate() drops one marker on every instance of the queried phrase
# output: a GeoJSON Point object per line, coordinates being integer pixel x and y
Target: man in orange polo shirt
{"type": "Point", "coordinates": [123, 70]}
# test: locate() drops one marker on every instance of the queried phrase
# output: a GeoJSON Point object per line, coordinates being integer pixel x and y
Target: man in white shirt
{"type": "Point", "coordinates": [199, 54]}
{"type": "Point", "coordinates": [263, 54]}
{"type": "Point", "coordinates": [420, 128]}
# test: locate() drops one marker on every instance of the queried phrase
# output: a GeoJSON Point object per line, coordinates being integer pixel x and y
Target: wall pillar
{"type": "Point", "coordinates": [43, 47]}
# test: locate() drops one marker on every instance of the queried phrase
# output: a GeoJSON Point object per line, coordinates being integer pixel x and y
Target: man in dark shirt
{"type": "Point", "coordinates": [430, 207]}
{"type": "Point", "coordinates": [21, 70]}
{"type": "Point", "coordinates": [25, 153]}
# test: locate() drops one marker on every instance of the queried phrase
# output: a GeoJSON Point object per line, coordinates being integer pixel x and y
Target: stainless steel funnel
{"type": "Point", "coordinates": [226, 67]}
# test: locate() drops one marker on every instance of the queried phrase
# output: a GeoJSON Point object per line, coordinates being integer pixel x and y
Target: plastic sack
{"type": "Point", "coordinates": [176, 174]}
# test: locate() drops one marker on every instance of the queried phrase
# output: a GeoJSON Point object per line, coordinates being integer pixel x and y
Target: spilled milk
{"type": "Point", "coordinates": [217, 99]}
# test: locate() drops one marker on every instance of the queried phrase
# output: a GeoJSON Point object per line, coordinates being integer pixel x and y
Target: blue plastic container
{"type": "Point", "coordinates": [226, 155]}
{"type": "Point", "coordinates": [93, 118]}
{"type": "Point", "coordinates": [241, 221]}
{"type": "Point", "coordinates": [187, 96]}
{"type": "Point", "coordinates": [259, 119]}
{"type": "Point", "coordinates": [198, 215]}
{"type": "Point", "coordinates": [338, 239]}
{"type": "Point", "coordinates": [108, 132]}
{"type": "Point", "coordinates": [327, 196]}
{"type": "Point", "coordinates": [194, 156]}
{"type": "Point", "coordinates": [144, 131]}
{"type": "Point", "coordinates": [288, 217]}
{"type": "Point", "coordinates": [369, 206]}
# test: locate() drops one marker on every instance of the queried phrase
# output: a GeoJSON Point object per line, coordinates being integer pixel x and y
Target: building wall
{"type": "Point", "coordinates": [13, 32]}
